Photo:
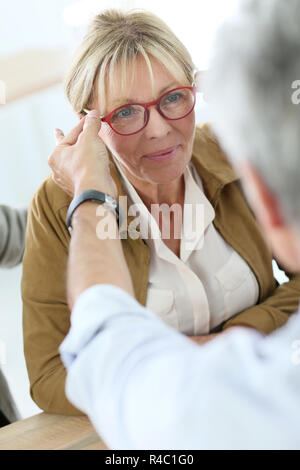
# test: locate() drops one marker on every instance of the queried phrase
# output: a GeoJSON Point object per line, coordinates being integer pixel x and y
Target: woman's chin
{"type": "Point", "coordinates": [164, 174]}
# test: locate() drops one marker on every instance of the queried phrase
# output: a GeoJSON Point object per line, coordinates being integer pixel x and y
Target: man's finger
{"type": "Point", "coordinates": [58, 135]}
{"type": "Point", "coordinates": [72, 136]}
{"type": "Point", "coordinates": [92, 123]}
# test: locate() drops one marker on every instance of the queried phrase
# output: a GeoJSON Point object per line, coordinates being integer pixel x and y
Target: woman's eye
{"type": "Point", "coordinates": [173, 98]}
{"type": "Point", "coordinates": [123, 113]}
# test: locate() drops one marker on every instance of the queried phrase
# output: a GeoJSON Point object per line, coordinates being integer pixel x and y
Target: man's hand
{"type": "Point", "coordinates": [80, 160]}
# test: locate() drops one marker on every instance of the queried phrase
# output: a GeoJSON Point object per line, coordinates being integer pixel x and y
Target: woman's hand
{"type": "Point", "coordinates": [80, 160]}
{"type": "Point", "coordinates": [203, 339]}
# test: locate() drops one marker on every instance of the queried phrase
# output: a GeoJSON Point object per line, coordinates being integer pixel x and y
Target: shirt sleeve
{"type": "Point", "coordinates": [12, 235]}
{"type": "Point", "coordinates": [158, 390]}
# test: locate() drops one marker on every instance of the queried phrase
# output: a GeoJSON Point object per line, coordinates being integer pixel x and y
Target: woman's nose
{"type": "Point", "coordinates": [157, 125]}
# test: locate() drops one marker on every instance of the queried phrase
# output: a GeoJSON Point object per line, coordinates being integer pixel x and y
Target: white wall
{"type": "Point", "coordinates": [31, 23]}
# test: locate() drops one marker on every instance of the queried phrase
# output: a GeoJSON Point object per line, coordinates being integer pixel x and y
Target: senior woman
{"type": "Point", "coordinates": [140, 77]}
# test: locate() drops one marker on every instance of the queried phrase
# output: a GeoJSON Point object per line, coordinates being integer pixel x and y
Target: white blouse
{"type": "Point", "coordinates": [210, 282]}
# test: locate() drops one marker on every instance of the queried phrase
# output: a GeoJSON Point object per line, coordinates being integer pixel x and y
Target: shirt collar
{"type": "Point", "coordinates": [198, 213]}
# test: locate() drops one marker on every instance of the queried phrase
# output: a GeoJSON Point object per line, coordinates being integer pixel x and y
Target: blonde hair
{"type": "Point", "coordinates": [115, 38]}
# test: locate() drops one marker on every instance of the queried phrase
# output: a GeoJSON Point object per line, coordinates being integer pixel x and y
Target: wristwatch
{"type": "Point", "coordinates": [92, 195]}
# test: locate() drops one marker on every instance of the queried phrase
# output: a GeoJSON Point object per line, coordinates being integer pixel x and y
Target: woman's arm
{"type": "Point", "coordinates": [274, 311]}
{"type": "Point", "coordinates": [12, 235]}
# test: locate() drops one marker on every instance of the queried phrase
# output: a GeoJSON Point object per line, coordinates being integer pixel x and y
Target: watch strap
{"type": "Point", "coordinates": [92, 195]}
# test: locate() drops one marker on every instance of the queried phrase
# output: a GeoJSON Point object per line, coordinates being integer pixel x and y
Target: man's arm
{"type": "Point", "coordinates": [80, 162]}
{"type": "Point", "coordinates": [12, 235]}
{"type": "Point", "coordinates": [158, 390]}
{"type": "Point", "coordinates": [143, 384]}
{"type": "Point", "coordinates": [93, 260]}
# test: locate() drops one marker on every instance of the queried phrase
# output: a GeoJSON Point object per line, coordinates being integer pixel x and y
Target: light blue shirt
{"type": "Point", "coordinates": [146, 386]}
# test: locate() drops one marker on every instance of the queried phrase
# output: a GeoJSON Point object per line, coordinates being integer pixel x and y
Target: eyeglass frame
{"type": "Point", "coordinates": [107, 118]}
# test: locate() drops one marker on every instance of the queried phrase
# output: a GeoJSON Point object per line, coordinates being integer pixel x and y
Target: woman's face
{"type": "Point", "coordinates": [132, 152]}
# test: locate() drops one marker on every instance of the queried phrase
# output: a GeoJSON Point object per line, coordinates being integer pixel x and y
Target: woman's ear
{"type": "Point", "coordinates": [79, 115]}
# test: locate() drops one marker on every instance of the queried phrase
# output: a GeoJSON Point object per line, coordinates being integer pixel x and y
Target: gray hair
{"type": "Point", "coordinates": [250, 85]}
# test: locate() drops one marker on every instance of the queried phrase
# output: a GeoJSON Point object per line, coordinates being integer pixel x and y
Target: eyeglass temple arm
{"type": "Point", "coordinates": [85, 111]}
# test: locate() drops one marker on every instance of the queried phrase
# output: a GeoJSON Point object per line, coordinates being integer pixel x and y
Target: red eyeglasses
{"type": "Point", "coordinates": [131, 118]}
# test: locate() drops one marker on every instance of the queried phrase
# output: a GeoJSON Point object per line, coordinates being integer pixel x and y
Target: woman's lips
{"type": "Point", "coordinates": [162, 155]}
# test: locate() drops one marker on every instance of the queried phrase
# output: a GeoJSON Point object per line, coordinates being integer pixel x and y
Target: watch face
{"type": "Point", "coordinates": [110, 200]}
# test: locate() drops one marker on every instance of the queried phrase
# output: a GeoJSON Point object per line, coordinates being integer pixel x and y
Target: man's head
{"type": "Point", "coordinates": [254, 66]}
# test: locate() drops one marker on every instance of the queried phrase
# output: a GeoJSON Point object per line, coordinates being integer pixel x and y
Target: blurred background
{"type": "Point", "coordinates": [37, 38]}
